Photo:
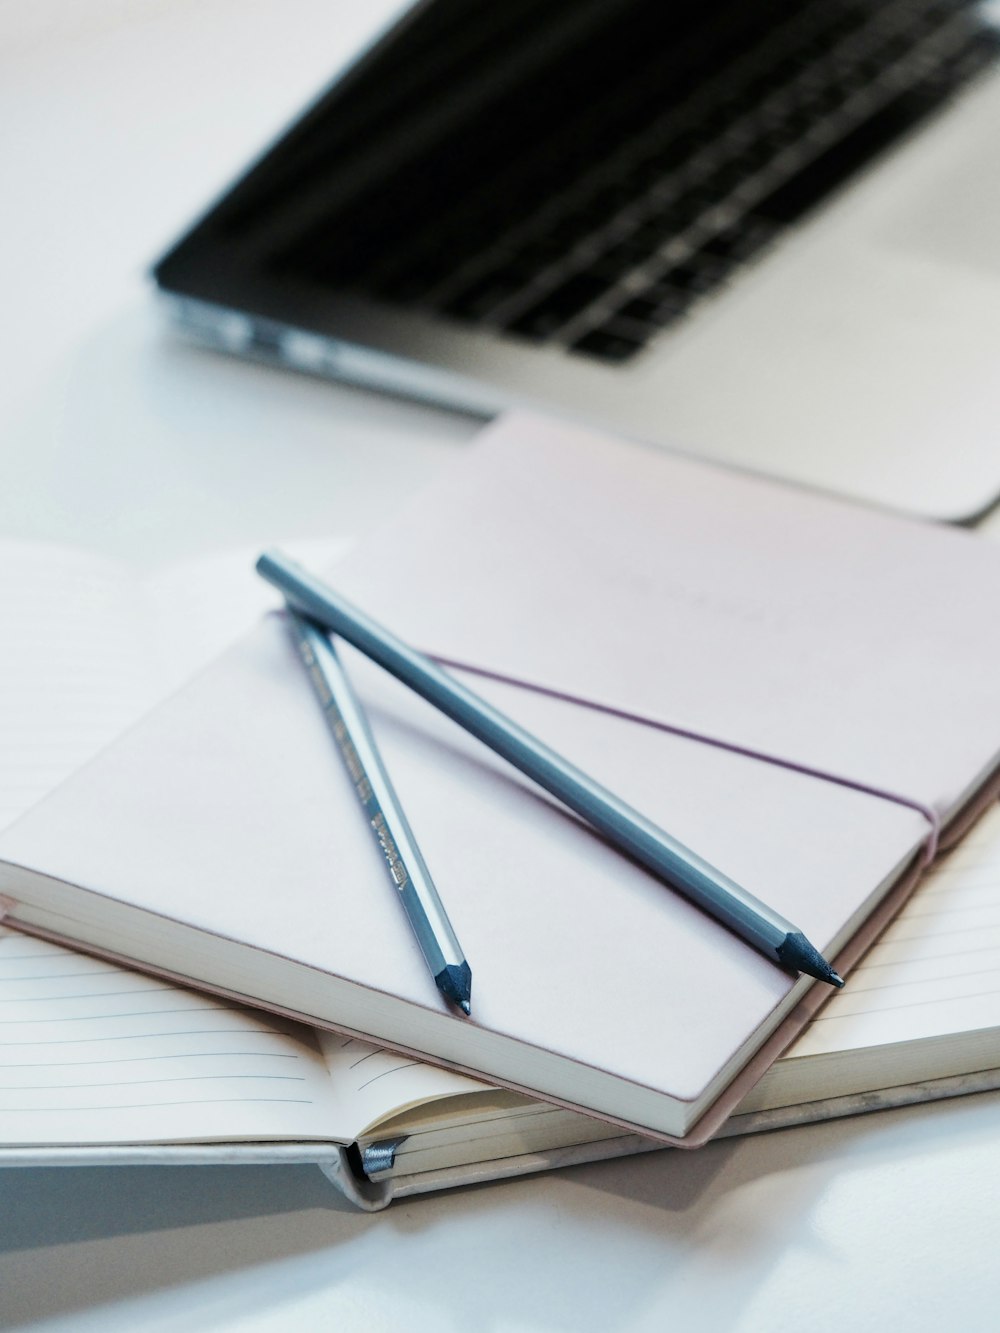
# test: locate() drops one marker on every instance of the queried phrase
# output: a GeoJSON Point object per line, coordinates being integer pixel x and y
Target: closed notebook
{"type": "Point", "coordinates": [803, 692]}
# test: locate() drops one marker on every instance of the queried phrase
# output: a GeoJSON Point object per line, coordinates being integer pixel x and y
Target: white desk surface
{"type": "Point", "coordinates": [121, 118]}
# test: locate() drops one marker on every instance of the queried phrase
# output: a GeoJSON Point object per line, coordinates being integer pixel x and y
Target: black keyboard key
{"type": "Point", "coordinates": [653, 312]}
{"type": "Point", "coordinates": [609, 200]}
{"type": "Point", "coordinates": [674, 154]}
{"type": "Point", "coordinates": [539, 253]}
{"type": "Point", "coordinates": [608, 345]}
{"type": "Point", "coordinates": [559, 306]}
{"type": "Point", "coordinates": [567, 231]}
{"type": "Point", "coordinates": [649, 237]}
{"type": "Point", "coordinates": [626, 253]}
{"type": "Point", "coordinates": [667, 302]}
{"type": "Point", "coordinates": [723, 180]}
{"type": "Point", "coordinates": [724, 248]}
{"type": "Point", "coordinates": [758, 153]}
{"type": "Point", "coordinates": [411, 282]}
{"type": "Point", "coordinates": [485, 293]}
{"type": "Point", "coordinates": [796, 196]}
{"type": "Point", "coordinates": [640, 309]}
{"type": "Point", "coordinates": [739, 243]}
{"type": "Point", "coordinates": [693, 278]}
{"type": "Point", "coordinates": [406, 288]}
{"type": "Point", "coordinates": [643, 174]}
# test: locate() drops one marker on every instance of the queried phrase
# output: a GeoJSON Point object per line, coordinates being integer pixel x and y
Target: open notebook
{"type": "Point", "coordinates": [796, 689]}
{"type": "Point", "coordinates": [99, 1064]}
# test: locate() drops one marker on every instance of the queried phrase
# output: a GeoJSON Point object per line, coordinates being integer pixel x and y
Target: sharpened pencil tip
{"type": "Point", "coordinates": [455, 984]}
{"type": "Point", "coordinates": [799, 955]}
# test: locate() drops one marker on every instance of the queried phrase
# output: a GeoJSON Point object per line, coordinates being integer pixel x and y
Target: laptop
{"type": "Point", "coordinates": [763, 232]}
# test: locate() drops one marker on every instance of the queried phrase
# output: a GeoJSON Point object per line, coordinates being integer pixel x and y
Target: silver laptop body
{"type": "Point", "coordinates": [766, 234]}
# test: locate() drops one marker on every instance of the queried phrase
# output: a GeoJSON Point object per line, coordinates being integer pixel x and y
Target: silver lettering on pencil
{"type": "Point", "coordinates": [357, 774]}
{"type": "Point", "coordinates": [392, 858]}
{"type": "Point", "coordinates": [315, 673]}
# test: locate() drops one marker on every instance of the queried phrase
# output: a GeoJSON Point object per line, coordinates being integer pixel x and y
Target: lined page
{"type": "Point", "coordinates": [370, 1084]}
{"type": "Point", "coordinates": [93, 1054]}
{"type": "Point", "coordinates": [936, 970]}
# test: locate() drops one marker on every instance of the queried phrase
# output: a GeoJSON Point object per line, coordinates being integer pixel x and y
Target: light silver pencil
{"type": "Point", "coordinates": [638, 837]}
{"type": "Point", "coordinates": [407, 870]}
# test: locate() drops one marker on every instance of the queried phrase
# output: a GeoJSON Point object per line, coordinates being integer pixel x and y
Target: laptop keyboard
{"type": "Point", "coordinates": [601, 255]}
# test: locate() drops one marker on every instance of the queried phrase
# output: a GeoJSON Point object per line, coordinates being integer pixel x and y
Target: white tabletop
{"type": "Point", "coordinates": [120, 120]}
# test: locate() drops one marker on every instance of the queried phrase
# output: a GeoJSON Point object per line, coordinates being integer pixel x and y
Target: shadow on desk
{"type": "Point", "coordinates": [589, 1246]}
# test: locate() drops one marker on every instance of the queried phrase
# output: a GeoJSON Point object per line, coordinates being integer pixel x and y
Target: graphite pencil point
{"type": "Point", "coordinates": [797, 954]}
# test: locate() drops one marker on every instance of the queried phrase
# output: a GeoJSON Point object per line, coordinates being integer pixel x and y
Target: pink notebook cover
{"type": "Point", "coordinates": [651, 619]}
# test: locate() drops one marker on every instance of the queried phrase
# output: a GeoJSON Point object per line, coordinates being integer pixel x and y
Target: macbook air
{"type": "Point", "coordinates": [764, 232]}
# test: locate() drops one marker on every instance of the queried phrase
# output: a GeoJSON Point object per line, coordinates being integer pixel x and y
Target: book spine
{"type": "Point", "coordinates": [331, 1158]}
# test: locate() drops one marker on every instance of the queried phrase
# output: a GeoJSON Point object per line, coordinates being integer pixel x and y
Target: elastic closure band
{"type": "Point", "coordinates": [704, 738]}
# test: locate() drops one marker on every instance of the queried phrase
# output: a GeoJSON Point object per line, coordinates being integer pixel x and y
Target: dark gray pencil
{"type": "Point", "coordinates": [745, 915]}
{"type": "Point", "coordinates": [407, 869]}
